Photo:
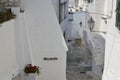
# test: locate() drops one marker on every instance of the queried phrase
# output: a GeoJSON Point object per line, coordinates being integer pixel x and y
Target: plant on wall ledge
{"type": "Point", "coordinates": [81, 8]}
{"type": "Point", "coordinates": [29, 68]}
{"type": "Point", "coordinates": [6, 15]}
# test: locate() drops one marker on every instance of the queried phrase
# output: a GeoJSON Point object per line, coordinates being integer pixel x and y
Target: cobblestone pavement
{"type": "Point", "coordinates": [78, 61]}
{"type": "Point", "coordinates": [78, 76]}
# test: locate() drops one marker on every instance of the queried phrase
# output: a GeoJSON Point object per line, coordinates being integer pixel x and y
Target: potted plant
{"type": "Point", "coordinates": [31, 71]}
{"type": "Point", "coordinates": [81, 8]}
{"type": "Point", "coordinates": [6, 15]}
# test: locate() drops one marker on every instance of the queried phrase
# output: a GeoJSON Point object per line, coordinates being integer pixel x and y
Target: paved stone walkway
{"type": "Point", "coordinates": [78, 76]}
{"type": "Point", "coordinates": [79, 61]}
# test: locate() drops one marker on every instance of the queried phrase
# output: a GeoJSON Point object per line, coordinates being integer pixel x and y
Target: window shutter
{"type": "Point", "coordinates": [118, 14]}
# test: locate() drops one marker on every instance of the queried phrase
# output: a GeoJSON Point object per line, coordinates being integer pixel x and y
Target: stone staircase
{"type": "Point", "coordinates": [77, 76]}
{"type": "Point", "coordinates": [79, 61]}
{"type": "Point", "coordinates": [99, 43]}
{"type": "Point", "coordinates": [78, 53]}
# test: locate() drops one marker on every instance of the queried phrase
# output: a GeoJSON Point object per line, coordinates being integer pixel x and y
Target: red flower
{"type": "Point", "coordinates": [31, 69]}
{"type": "Point", "coordinates": [29, 65]}
{"type": "Point", "coordinates": [35, 66]}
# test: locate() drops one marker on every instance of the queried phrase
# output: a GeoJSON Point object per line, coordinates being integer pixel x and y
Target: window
{"type": "Point", "coordinates": [118, 14]}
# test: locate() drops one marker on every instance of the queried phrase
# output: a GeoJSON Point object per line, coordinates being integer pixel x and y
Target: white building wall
{"type": "Point", "coordinates": [105, 8]}
{"type": "Point", "coordinates": [18, 39]}
{"type": "Point", "coordinates": [111, 68]}
{"type": "Point", "coordinates": [112, 42]}
{"type": "Point", "coordinates": [56, 7]}
{"type": "Point", "coordinates": [77, 30]}
{"type": "Point", "coordinates": [46, 39]}
{"type": "Point", "coordinates": [96, 10]}
{"type": "Point", "coordinates": [8, 61]}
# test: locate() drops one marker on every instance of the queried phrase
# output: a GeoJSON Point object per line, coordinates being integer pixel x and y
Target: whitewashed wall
{"type": "Point", "coordinates": [111, 68]}
{"type": "Point", "coordinates": [46, 39]}
{"type": "Point", "coordinates": [103, 9]}
{"type": "Point", "coordinates": [112, 71]}
{"type": "Point", "coordinates": [96, 10]}
{"type": "Point", "coordinates": [77, 30]}
{"type": "Point", "coordinates": [8, 61]}
{"type": "Point", "coordinates": [66, 27]}
{"type": "Point", "coordinates": [56, 7]}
